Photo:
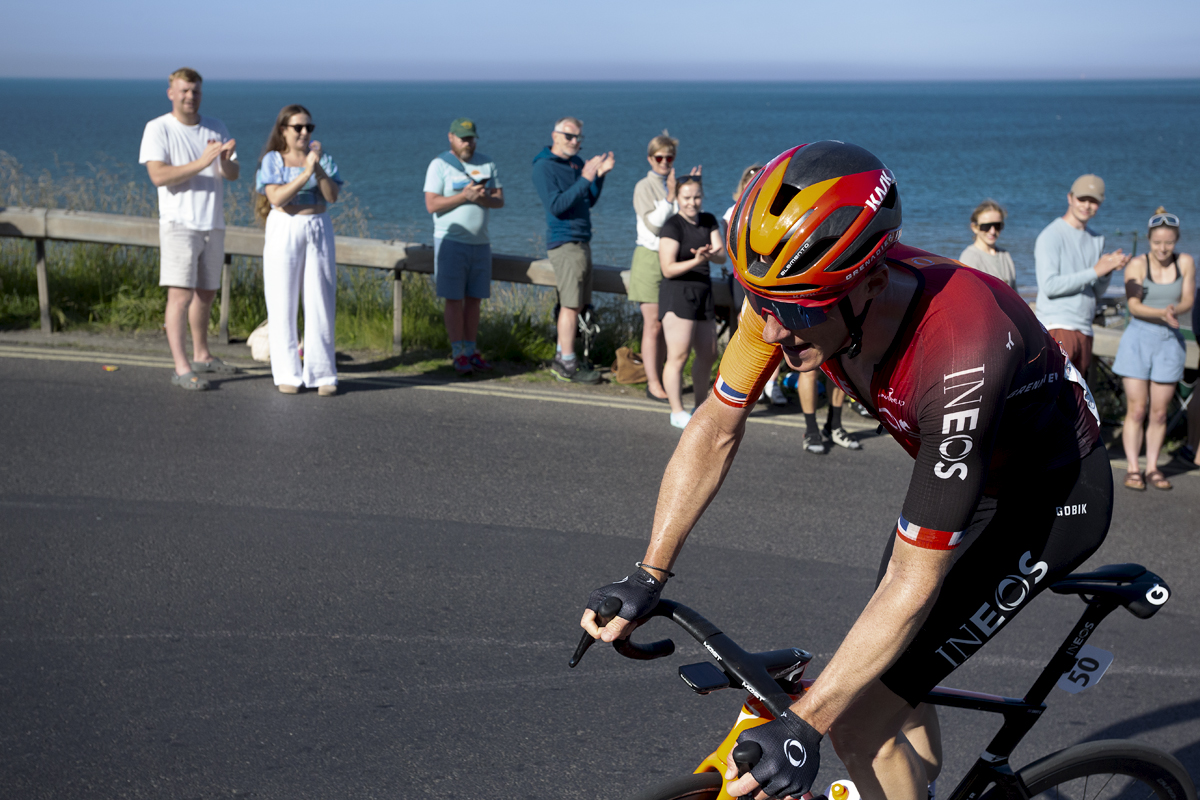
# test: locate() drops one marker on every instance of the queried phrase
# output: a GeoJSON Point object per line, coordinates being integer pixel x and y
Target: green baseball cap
{"type": "Point", "coordinates": [463, 128]}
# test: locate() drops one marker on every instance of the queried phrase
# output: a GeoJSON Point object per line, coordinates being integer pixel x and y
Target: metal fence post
{"type": "Point", "coordinates": [223, 329]}
{"type": "Point", "coordinates": [42, 284]}
{"type": "Point", "coordinates": [397, 310]}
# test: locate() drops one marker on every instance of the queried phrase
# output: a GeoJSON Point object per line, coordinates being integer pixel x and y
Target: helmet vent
{"type": "Point", "coordinates": [810, 256]}
{"type": "Point", "coordinates": [758, 268]}
{"type": "Point", "coordinates": [782, 198]}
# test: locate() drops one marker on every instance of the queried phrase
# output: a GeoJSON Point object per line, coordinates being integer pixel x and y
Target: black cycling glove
{"type": "Point", "coordinates": [638, 594]}
{"type": "Point", "coordinates": [791, 755]}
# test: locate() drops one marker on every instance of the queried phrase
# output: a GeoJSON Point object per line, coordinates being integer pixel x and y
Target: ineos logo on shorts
{"type": "Point", "coordinates": [1158, 594]}
{"type": "Point", "coordinates": [787, 751]}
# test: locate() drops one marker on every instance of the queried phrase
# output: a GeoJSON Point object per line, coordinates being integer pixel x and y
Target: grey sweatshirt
{"type": "Point", "coordinates": [1068, 287]}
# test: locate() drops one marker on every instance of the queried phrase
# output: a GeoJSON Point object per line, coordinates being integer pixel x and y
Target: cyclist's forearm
{"type": "Point", "coordinates": [693, 477]}
{"type": "Point", "coordinates": [884, 629]}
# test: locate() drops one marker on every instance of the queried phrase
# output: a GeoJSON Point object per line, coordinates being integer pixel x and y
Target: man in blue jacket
{"type": "Point", "coordinates": [569, 187]}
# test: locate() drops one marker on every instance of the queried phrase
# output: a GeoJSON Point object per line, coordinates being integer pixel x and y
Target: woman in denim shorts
{"type": "Point", "coordinates": [1159, 287]}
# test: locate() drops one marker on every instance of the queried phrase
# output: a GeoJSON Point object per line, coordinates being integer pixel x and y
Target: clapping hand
{"type": "Point", "coordinates": [1111, 262]}
{"type": "Point", "coordinates": [591, 167]}
{"type": "Point", "coordinates": [313, 158]}
{"type": "Point", "coordinates": [702, 254]}
{"type": "Point", "coordinates": [1169, 316]}
{"type": "Point", "coordinates": [211, 151]}
{"type": "Point", "coordinates": [608, 161]}
{"type": "Point", "coordinates": [228, 149]}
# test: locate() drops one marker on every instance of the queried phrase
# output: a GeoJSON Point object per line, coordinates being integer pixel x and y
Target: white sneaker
{"type": "Point", "coordinates": [680, 419]}
{"type": "Point", "coordinates": [777, 396]}
{"type": "Point", "coordinates": [842, 438]}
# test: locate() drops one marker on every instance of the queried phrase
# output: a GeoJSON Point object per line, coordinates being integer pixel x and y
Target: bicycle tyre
{"type": "Point", "coordinates": [698, 786]}
{"type": "Point", "coordinates": [1109, 769]}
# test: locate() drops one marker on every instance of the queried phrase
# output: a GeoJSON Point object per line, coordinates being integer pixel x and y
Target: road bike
{"type": "Point", "coordinates": [1099, 770]}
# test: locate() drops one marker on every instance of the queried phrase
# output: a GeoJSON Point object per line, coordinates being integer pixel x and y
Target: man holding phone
{"type": "Point", "coordinates": [461, 185]}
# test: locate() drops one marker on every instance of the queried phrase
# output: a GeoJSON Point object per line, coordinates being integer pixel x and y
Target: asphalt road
{"type": "Point", "coordinates": [240, 593]}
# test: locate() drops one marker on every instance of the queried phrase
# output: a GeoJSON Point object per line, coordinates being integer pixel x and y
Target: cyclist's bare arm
{"type": "Point", "coordinates": [880, 634]}
{"type": "Point", "coordinates": [693, 476]}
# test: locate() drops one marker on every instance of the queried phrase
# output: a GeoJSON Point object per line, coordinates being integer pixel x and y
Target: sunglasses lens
{"type": "Point", "coordinates": [792, 316]}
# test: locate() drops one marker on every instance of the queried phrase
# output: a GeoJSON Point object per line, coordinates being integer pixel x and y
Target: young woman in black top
{"type": "Point", "coordinates": [688, 241]}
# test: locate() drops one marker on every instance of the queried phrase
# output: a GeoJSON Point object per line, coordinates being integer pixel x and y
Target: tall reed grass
{"type": "Point", "coordinates": [107, 287]}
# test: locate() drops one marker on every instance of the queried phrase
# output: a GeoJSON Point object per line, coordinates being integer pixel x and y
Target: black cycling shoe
{"type": "Point", "coordinates": [814, 443]}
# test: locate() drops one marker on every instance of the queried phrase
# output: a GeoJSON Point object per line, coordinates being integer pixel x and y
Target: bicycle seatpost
{"type": "Point", "coordinates": [608, 609]}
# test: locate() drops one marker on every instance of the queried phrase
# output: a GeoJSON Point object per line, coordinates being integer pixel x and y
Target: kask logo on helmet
{"type": "Point", "coordinates": [885, 182]}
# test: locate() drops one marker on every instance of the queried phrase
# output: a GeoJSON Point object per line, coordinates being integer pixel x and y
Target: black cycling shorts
{"type": "Point", "coordinates": [1039, 527]}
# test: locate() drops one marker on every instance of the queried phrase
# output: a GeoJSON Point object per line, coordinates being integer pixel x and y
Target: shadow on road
{"type": "Point", "coordinates": [1188, 755]}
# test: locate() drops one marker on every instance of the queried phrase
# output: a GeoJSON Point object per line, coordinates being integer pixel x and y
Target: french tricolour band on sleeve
{"type": "Point", "coordinates": [729, 395]}
{"type": "Point", "coordinates": [927, 537]}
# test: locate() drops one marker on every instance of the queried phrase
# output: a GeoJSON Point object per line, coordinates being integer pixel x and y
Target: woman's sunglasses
{"type": "Point", "coordinates": [309, 128]}
{"type": "Point", "coordinates": [661, 159]}
{"type": "Point", "coordinates": [1158, 220]}
{"type": "Point", "coordinates": [792, 316]}
{"type": "Point", "coordinates": [991, 226]}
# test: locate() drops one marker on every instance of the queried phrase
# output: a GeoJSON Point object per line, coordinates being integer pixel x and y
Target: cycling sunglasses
{"type": "Point", "coordinates": [1170, 220]}
{"type": "Point", "coordinates": [792, 316]}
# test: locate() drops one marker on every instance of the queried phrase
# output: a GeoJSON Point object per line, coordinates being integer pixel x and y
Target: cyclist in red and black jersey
{"type": "Point", "coordinates": [1010, 490]}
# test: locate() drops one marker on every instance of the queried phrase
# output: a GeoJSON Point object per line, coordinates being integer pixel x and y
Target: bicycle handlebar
{"type": "Point", "coordinates": [747, 669]}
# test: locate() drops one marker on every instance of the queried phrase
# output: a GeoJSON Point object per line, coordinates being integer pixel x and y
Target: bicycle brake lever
{"type": "Point", "coordinates": [746, 755]}
{"type": "Point", "coordinates": [608, 609]}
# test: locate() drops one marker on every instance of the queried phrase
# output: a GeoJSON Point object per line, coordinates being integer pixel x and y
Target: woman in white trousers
{"type": "Point", "coordinates": [297, 181]}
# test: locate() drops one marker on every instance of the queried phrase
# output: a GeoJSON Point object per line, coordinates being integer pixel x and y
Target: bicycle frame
{"type": "Point", "coordinates": [1020, 715]}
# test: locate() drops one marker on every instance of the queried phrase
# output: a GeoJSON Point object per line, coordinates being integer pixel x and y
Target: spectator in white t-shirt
{"type": "Point", "coordinates": [188, 157]}
{"type": "Point", "coordinates": [461, 185]}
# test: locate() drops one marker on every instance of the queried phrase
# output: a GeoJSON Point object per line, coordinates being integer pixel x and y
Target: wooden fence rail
{"type": "Point", "coordinates": [42, 224]}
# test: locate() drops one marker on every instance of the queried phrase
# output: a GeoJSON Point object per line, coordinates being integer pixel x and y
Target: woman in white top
{"type": "Point", "coordinates": [982, 254]}
{"type": "Point", "coordinates": [296, 180]}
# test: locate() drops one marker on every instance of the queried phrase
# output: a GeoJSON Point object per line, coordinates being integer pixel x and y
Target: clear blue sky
{"type": "Point", "coordinates": [531, 39]}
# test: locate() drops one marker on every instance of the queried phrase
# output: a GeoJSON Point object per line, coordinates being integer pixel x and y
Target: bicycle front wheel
{"type": "Point", "coordinates": [1108, 770]}
{"type": "Point", "coordinates": [700, 786]}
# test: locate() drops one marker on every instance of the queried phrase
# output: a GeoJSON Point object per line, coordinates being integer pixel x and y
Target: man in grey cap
{"type": "Point", "coordinates": [1071, 272]}
{"type": "Point", "coordinates": [461, 185]}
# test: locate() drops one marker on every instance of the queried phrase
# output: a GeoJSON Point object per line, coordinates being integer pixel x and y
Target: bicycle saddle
{"type": "Point", "coordinates": [1130, 585]}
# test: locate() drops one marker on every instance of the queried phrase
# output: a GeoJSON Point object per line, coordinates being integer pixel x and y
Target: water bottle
{"type": "Point", "coordinates": [842, 790]}
{"type": "Point", "coordinates": [790, 380]}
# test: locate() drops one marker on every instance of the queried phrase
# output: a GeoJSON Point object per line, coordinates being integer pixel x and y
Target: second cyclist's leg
{"type": "Point", "coordinates": [869, 739]}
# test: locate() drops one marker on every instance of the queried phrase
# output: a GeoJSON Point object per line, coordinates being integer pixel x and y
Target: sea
{"type": "Point", "coordinates": [950, 144]}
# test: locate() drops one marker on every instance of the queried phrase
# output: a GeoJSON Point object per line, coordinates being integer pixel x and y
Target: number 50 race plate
{"type": "Point", "coordinates": [1089, 667]}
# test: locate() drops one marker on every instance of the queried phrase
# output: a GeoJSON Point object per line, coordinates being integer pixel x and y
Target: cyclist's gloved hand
{"type": "Point", "coordinates": [638, 594]}
{"type": "Point", "coordinates": [791, 755]}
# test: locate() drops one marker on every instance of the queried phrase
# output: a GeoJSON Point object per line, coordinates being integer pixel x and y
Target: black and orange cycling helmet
{"type": "Point", "coordinates": [809, 228]}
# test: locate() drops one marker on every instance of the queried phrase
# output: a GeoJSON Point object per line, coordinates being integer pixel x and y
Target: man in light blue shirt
{"type": "Point", "coordinates": [460, 187]}
{"type": "Point", "coordinates": [1071, 272]}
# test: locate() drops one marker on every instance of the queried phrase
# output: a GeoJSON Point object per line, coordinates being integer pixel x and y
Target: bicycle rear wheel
{"type": "Point", "coordinates": [700, 786]}
{"type": "Point", "coordinates": [1108, 770]}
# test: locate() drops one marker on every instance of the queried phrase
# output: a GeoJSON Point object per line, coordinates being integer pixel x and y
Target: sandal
{"type": "Point", "coordinates": [216, 366]}
{"type": "Point", "coordinates": [1135, 481]}
{"type": "Point", "coordinates": [1158, 480]}
{"type": "Point", "coordinates": [190, 381]}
